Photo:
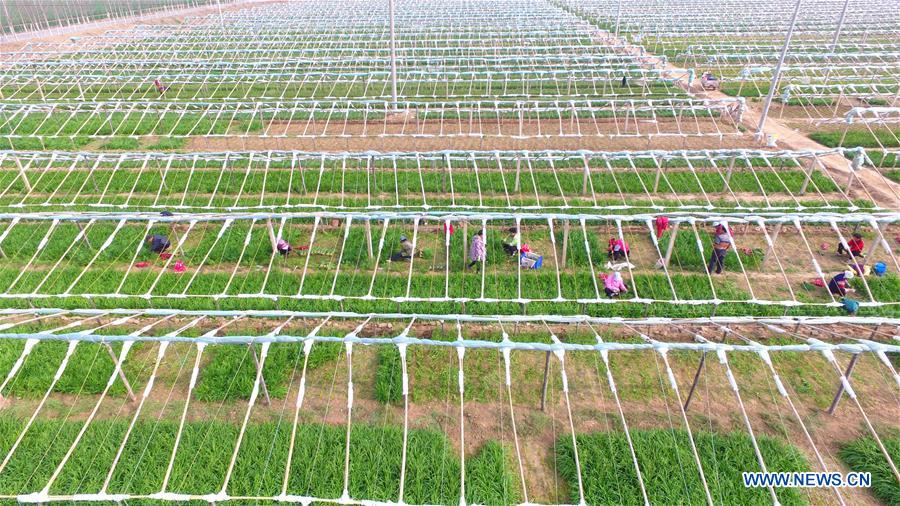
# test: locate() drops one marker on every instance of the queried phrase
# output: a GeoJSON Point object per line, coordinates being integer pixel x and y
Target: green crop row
{"type": "Point", "coordinates": [862, 137]}
{"type": "Point", "coordinates": [137, 124]}
{"type": "Point", "coordinates": [310, 180]}
{"type": "Point", "coordinates": [864, 456]}
{"type": "Point", "coordinates": [93, 124]}
{"type": "Point", "coordinates": [231, 269]}
{"type": "Point", "coordinates": [228, 372]}
{"type": "Point", "coordinates": [432, 471]}
{"type": "Point", "coordinates": [389, 376]}
{"type": "Point", "coordinates": [874, 140]}
{"type": "Point", "coordinates": [231, 372]}
{"type": "Point", "coordinates": [430, 162]}
{"type": "Point", "coordinates": [527, 86]}
{"type": "Point", "coordinates": [89, 368]}
{"type": "Point", "coordinates": [668, 469]}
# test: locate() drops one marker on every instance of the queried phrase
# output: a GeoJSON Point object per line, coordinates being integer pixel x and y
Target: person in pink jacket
{"type": "Point", "coordinates": [613, 285]}
{"type": "Point", "coordinates": [477, 251]}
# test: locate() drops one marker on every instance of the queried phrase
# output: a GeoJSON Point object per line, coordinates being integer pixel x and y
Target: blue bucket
{"type": "Point", "coordinates": [879, 269]}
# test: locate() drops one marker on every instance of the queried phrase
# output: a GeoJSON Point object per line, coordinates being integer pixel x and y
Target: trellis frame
{"type": "Point", "coordinates": [733, 329]}
{"type": "Point", "coordinates": [518, 170]}
{"type": "Point", "coordinates": [437, 219]}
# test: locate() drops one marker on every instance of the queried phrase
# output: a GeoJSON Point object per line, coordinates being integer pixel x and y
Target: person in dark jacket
{"type": "Point", "coordinates": [840, 283]}
{"type": "Point", "coordinates": [158, 243]}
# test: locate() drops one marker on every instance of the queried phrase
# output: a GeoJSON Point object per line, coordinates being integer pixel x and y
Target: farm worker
{"type": "Point", "coordinates": [406, 250]}
{"type": "Point", "coordinates": [477, 251]}
{"type": "Point", "coordinates": [856, 246]}
{"type": "Point", "coordinates": [512, 241]}
{"type": "Point", "coordinates": [448, 228]}
{"type": "Point", "coordinates": [618, 249]}
{"type": "Point", "coordinates": [613, 285]}
{"type": "Point", "coordinates": [662, 224]}
{"type": "Point", "coordinates": [624, 81]}
{"type": "Point", "coordinates": [282, 247]}
{"type": "Point", "coordinates": [850, 306]}
{"type": "Point", "coordinates": [160, 87]}
{"type": "Point", "coordinates": [840, 283]}
{"type": "Point", "coordinates": [722, 242]}
{"type": "Point", "coordinates": [157, 243]}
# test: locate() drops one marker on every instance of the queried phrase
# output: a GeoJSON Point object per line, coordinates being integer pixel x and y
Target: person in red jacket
{"type": "Point", "coordinates": [617, 250]}
{"type": "Point", "coordinates": [856, 246]}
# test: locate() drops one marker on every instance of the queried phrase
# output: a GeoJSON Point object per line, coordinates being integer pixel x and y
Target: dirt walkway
{"type": "Point", "coordinates": [874, 186]}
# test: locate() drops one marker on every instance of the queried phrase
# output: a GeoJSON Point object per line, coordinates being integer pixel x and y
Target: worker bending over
{"type": "Point", "coordinates": [855, 247]}
{"type": "Point", "coordinates": [613, 285]}
{"type": "Point", "coordinates": [618, 249]}
{"type": "Point", "coordinates": [282, 247]}
{"type": "Point", "coordinates": [840, 283]}
{"type": "Point", "coordinates": [158, 243]}
{"type": "Point", "coordinates": [511, 242]}
{"type": "Point", "coordinates": [406, 250]}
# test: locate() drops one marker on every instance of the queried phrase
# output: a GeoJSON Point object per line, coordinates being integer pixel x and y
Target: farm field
{"type": "Point", "coordinates": [402, 252]}
{"type": "Point", "coordinates": [22, 16]}
{"type": "Point", "coordinates": [842, 89]}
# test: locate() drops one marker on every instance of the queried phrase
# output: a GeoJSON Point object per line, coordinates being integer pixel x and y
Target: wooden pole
{"type": "Point", "coordinates": [262, 379]}
{"type": "Point", "coordinates": [728, 174]}
{"type": "Point", "coordinates": [518, 174]}
{"type": "Point", "coordinates": [393, 46]}
{"type": "Point", "coordinates": [671, 247]}
{"type": "Point", "coordinates": [840, 391]}
{"type": "Point", "coordinates": [115, 360]}
{"type": "Point", "coordinates": [658, 176]}
{"type": "Point", "coordinates": [369, 238]}
{"type": "Point", "coordinates": [587, 176]}
{"type": "Point", "coordinates": [774, 236]}
{"type": "Point", "coordinates": [687, 402]}
{"type": "Point", "coordinates": [840, 25]}
{"type": "Point", "coordinates": [465, 241]}
{"type": "Point", "coordinates": [807, 179]}
{"type": "Point", "coordinates": [84, 234]}
{"type": "Point", "coordinates": [875, 241]}
{"type": "Point", "coordinates": [776, 75]}
{"type": "Point", "coordinates": [271, 230]}
{"type": "Point", "coordinates": [22, 174]}
{"type": "Point", "coordinates": [546, 381]}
